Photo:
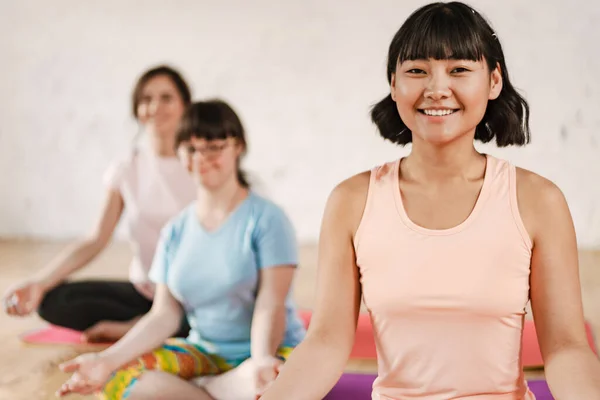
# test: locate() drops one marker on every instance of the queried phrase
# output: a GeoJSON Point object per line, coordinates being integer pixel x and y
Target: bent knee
{"type": "Point", "coordinates": [148, 386]}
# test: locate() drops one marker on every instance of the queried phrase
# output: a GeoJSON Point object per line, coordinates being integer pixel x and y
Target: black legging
{"type": "Point", "coordinates": [80, 305]}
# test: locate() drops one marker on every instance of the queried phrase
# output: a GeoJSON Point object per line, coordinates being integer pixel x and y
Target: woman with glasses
{"type": "Point", "coordinates": [226, 262]}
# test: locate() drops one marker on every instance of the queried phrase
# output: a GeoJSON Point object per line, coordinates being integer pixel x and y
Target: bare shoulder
{"type": "Point", "coordinates": [355, 185]}
{"type": "Point", "coordinates": [537, 189]}
{"type": "Point", "coordinates": [348, 198]}
{"type": "Point", "coordinates": [539, 199]}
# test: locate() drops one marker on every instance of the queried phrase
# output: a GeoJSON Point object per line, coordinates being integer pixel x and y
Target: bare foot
{"type": "Point", "coordinates": [107, 331]}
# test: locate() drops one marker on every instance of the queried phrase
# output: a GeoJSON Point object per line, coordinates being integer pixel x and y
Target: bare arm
{"type": "Point", "coordinates": [572, 369]}
{"type": "Point", "coordinates": [79, 254]}
{"type": "Point", "coordinates": [317, 363]}
{"type": "Point", "coordinates": [269, 319]}
{"type": "Point", "coordinates": [160, 323]}
{"type": "Point", "coordinates": [25, 297]}
{"type": "Point", "coordinates": [91, 371]}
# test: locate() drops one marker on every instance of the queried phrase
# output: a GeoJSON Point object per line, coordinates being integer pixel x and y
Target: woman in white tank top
{"type": "Point", "coordinates": [146, 188]}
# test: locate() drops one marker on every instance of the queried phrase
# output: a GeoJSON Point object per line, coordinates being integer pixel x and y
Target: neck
{"type": "Point", "coordinates": [163, 144]}
{"type": "Point", "coordinates": [220, 201]}
{"type": "Point", "coordinates": [429, 162]}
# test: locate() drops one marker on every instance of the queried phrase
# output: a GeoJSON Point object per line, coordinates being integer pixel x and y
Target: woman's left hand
{"type": "Point", "coordinates": [266, 370]}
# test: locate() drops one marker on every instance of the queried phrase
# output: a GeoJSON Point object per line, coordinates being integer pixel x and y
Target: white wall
{"type": "Point", "coordinates": [302, 74]}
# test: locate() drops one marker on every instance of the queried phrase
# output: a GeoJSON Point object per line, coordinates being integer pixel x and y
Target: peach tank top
{"type": "Point", "coordinates": [447, 306]}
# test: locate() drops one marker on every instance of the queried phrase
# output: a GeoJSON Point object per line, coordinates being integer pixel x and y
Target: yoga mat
{"type": "Point", "coordinates": [364, 345]}
{"type": "Point", "coordinates": [359, 386]}
{"type": "Point", "coordinates": [56, 335]}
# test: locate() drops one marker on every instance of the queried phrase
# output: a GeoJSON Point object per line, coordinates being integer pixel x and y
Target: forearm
{"type": "Point", "coordinates": [573, 373]}
{"type": "Point", "coordinates": [148, 334]}
{"type": "Point", "coordinates": [268, 330]}
{"type": "Point", "coordinates": [68, 261]}
{"type": "Point", "coordinates": [318, 360]}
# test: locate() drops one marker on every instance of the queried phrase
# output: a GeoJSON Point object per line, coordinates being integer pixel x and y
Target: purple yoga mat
{"type": "Point", "coordinates": [358, 387]}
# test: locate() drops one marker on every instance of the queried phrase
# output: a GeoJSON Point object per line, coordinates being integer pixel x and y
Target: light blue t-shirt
{"type": "Point", "coordinates": [214, 275]}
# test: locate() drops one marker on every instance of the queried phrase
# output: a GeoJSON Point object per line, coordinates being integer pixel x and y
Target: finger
{"type": "Point", "coordinates": [69, 366]}
{"type": "Point", "coordinates": [20, 304]}
{"type": "Point", "coordinates": [66, 388]}
{"type": "Point", "coordinates": [63, 391]}
{"type": "Point", "coordinates": [77, 384]}
{"type": "Point", "coordinates": [11, 309]}
{"type": "Point", "coordinates": [29, 307]}
{"type": "Point", "coordinates": [9, 302]}
{"type": "Point", "coordinates": [279, 367]}
{"type": "Point", "coordinates": [22, 309]}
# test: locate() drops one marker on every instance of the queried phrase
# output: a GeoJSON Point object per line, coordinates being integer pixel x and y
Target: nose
{"type": "Point", "coordinates": [153, 106]}
{"type": "Point", "coordinates": [438, 86]}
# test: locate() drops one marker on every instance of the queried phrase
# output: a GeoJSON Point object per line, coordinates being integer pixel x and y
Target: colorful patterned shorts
{"type": "Point", "coordinates": [177, 357]}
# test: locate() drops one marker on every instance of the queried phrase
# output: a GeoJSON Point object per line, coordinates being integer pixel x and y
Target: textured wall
{"type": "Point", "coordinates": [302, 75]}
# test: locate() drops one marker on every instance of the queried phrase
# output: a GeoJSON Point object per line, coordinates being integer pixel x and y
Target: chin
{"type": "Point", "coordinates": [208, 184]}
{"type": "Point", "coordinates": [439, 140]}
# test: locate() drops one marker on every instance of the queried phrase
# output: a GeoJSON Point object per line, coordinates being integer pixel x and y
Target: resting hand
{"type": "Point", "coordinates": [266, 371]}
{"type": "Point", "coordinates": [90, 373]}
{"type": "Point", "coordinates": [24, 298]}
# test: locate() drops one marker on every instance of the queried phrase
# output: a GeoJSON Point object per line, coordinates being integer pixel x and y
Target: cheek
{"type": "Point", "coordinates": [142, 112]}
{"type": "Point", "coordinates": [407, 99]}
{"type": "Point", "coordinates": [475, 101]}
{"type": "Point", "coordinates": [408, 95]}
{"type": "Point", "coordinates": [176, 108]}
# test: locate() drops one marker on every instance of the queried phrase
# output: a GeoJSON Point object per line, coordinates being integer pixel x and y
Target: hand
{"type": "Point", "coordinates": [266, 370]}
{"type": "Point", "coordinates": [91, 372]}
{"type": "Point", "coordinates": [24, 298]}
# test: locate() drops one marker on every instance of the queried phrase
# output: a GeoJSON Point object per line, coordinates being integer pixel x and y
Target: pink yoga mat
{"type": "Point", "coordinates": [56, 335]}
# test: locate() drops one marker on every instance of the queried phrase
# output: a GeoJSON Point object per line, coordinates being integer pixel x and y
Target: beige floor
{"type": "Point", "coordinates": [30, 372]}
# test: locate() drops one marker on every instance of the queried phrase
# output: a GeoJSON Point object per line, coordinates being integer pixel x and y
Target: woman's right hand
{"type": "Point", "coordinates": [24, 298]}
{"type": "Point", "coordinates": [91, 371]}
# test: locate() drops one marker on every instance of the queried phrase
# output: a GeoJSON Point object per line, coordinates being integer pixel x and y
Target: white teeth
{"type": "Point", "coordinates": [438, 112]}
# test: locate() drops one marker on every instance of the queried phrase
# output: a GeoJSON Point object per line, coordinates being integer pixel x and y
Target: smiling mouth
{"type": "Point", "coordinates": [438, 113]}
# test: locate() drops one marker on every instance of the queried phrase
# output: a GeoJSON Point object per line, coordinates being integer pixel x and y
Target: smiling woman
{"type": "Point", "coordinates": [446, 246]}
{"type": "Point", "coordinates": [458, 52]}
{"type": "Point", "coordinates": [147, 188]}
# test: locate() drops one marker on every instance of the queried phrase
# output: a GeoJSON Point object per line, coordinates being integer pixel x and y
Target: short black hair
{"type": "Point", "coordinates": [454, 31]}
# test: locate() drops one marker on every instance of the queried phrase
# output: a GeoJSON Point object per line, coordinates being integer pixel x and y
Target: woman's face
{"type": "Point", "coordinates": [441, 100]}
{"type": "Point", "coordinates": [211, 162]}
{"type": "Point", "coordinates": [160, 106]}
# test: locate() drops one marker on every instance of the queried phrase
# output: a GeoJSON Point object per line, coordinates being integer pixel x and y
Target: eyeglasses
{"type": "Point", "coordinates": [209, 151]}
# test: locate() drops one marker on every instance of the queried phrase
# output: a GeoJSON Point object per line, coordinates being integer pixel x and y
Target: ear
{"type": "Point", "coordinates": [393, 86]}
{"type": "Point", "coordinates": [239, 149]}
{"type": "Point", "coordinates": [495, 83]}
